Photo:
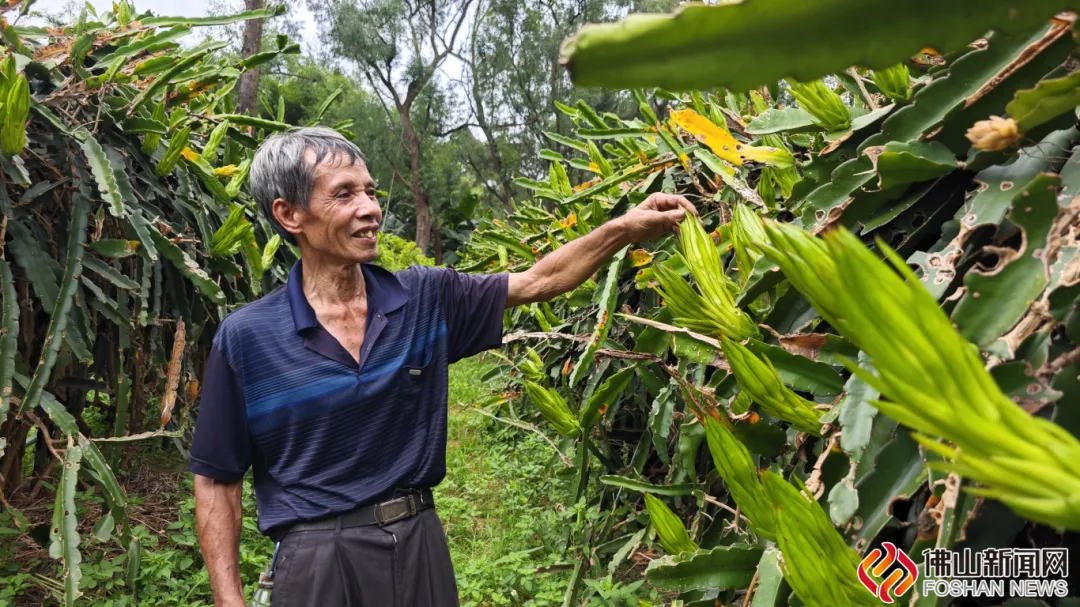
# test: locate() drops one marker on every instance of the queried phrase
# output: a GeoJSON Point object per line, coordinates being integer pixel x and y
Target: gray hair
{"type": "Point", "coordinates": [279, 169]}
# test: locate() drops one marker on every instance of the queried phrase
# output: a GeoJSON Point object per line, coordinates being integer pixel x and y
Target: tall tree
{"type": "Point", "coordinates": [513, 77]}
{"type": "Point", "coordinates": [398, 46]}
{"type": "Point", "coordinates": [249, 80]}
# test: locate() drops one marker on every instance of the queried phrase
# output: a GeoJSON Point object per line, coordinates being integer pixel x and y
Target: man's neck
{"type": "Point", "coordinates": [332, 284]}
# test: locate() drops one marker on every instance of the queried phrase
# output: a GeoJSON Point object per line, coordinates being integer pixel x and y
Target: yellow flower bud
{"type": "Point", "coordinates": [994, 134]}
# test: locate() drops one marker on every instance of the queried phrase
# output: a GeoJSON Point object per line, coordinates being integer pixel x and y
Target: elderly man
{"type": "Point", "coordinates": [333, 387]}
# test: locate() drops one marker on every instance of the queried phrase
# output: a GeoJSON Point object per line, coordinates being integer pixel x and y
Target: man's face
{"type": "Point", "coordinates": [343, 217]}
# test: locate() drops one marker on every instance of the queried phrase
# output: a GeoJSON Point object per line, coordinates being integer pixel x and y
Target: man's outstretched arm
{"type": "Point", "coordinates": [218, 516]}
{"type": "Point", "coordinates": [568, 267]}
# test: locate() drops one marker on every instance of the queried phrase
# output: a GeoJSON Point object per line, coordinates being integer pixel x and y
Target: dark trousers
{"type": "Point", "coordinates": [404, 564]}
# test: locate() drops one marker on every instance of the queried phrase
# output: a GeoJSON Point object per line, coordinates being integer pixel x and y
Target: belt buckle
{"type": "Point", "coordinates": [402, 507]}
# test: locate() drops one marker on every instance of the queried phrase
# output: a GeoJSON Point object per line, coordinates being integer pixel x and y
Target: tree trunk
{"type": "Point", "coordinates": [437, 237]}
{"type": "Point", "coordinates": [507, 196]}
{"type": "Point", "coordinates": [497, 165]}
{"type": "Point", "coordinates": [423, 216]}
{"type": "Point", "coordinates": [416, 186]}
{"type": "Point", "coordinates": [249, 80]}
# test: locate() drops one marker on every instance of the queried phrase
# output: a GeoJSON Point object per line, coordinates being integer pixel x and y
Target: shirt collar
{"type": "Point", "coordinates": [384, 291]}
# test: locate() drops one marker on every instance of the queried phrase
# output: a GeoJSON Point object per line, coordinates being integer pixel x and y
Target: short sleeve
{"type": "Point", "coordinates": [474, 305]}
{"type": "Point", "coordinates": [221, 447]}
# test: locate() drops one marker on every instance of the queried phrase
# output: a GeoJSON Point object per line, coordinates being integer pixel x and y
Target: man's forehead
{"type": "Point", "coordinates": [337, 166]}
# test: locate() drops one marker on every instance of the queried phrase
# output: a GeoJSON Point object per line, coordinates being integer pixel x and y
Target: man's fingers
{"type": "Point", "coordinates": [684, 203]}
{"type": "Point", "coordinates": [674, 217]}
{"type": "Point", "coordinates": [668, 202]}
{"type": "Point", "coordinates": [662, 202]}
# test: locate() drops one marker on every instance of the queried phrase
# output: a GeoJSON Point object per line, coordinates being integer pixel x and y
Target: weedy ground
{"type": "Point", "coordinates": [500, 505]}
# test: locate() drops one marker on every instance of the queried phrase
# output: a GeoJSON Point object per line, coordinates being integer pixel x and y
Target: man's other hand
{"type": "Point", "coordinates": [659, 213]}
{"type": "Point", "coordinates": [564, 269]}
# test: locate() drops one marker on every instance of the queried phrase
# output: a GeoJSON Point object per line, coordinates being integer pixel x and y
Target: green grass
{"type": "Point", "coordinates": [499, 505]}
{"type": "Point", "coordinates": [498, 502]}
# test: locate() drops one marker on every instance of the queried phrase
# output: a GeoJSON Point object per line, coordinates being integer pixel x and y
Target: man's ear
{"type": "Point", "coordinates": [289, 215]}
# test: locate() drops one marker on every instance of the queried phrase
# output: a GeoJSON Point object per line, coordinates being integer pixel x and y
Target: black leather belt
{"type": "Point", "coordinates": [382, 513]}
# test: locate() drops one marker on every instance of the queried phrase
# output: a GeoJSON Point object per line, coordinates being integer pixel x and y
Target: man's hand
{"type": "Point", "coordinates": [565, 269]}
{"type": "Point", "coordinates": [659, 213]}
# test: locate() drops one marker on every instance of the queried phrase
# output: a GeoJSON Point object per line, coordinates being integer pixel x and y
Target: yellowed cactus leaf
{"type": "Point", "coordinates": [227, 171]}
{"type": "Point", "coordinates": [595, 168]}
{"type": "Point", "coordinates": [190, 154]}
{"type": "Point", "coordinates": [725, 146]}
{"type": "Point", "coordinates": [776, 157]}
{"type": "Point", "coordinates": [640, 257]}
{"type": "Point", "coordinates": [569, 222]}
{"type": "Point", "coordinates": [718, 139]}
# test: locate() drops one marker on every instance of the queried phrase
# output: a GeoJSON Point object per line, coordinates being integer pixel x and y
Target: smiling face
{"type": "Point", "coordinates": [342, 219]}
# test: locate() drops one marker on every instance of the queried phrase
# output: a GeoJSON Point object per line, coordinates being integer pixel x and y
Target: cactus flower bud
{"type": "Point", "coordinates": [994, 134]}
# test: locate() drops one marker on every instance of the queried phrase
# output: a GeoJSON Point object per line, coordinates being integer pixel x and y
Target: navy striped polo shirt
{"type": "Point", "coordinates": [323, 434]}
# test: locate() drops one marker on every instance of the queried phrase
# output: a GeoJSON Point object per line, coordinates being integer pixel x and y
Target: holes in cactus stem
{"type": "Point", "coordinates": [1006, 186]}
{"type": "Point", "coordinates": [901, 507]}
{"type": "Point", "coordinates": [819, 214]}
{"type": "Point", "coordinates": [918, 218]}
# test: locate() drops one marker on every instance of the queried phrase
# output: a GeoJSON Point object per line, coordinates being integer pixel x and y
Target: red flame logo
{"type": "Point", "coordinates": [898, 582]}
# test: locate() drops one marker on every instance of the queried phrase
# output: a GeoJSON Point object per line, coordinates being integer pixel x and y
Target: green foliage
{"type": "Point", "coordinates": [895, 82]}
{"type": "Point", "coordinates": [817, 562]}
{"type": "Point", "coordinates": [823, 103]}
{"type": "Point", "coordinates": [745, 45]}
{"type": "Point", "coordinates": [804, 362]}
{"type": "Point", "coordinates": [713, 311]}
{"type": "Point", "coordinates": [396, 253]}
{"type": "Point", "coordinates": [95, 190]}
{"type": "Point", "coordinates": [757, 377]}
{"type": "Point", "coordinates": [736, 467]}
{"type": "Point", "coordinates": [553, 408]}
{"type": "Point", "coordinates": [496, 504]}
{"type": "Point", "coordinates": [669, 529]}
